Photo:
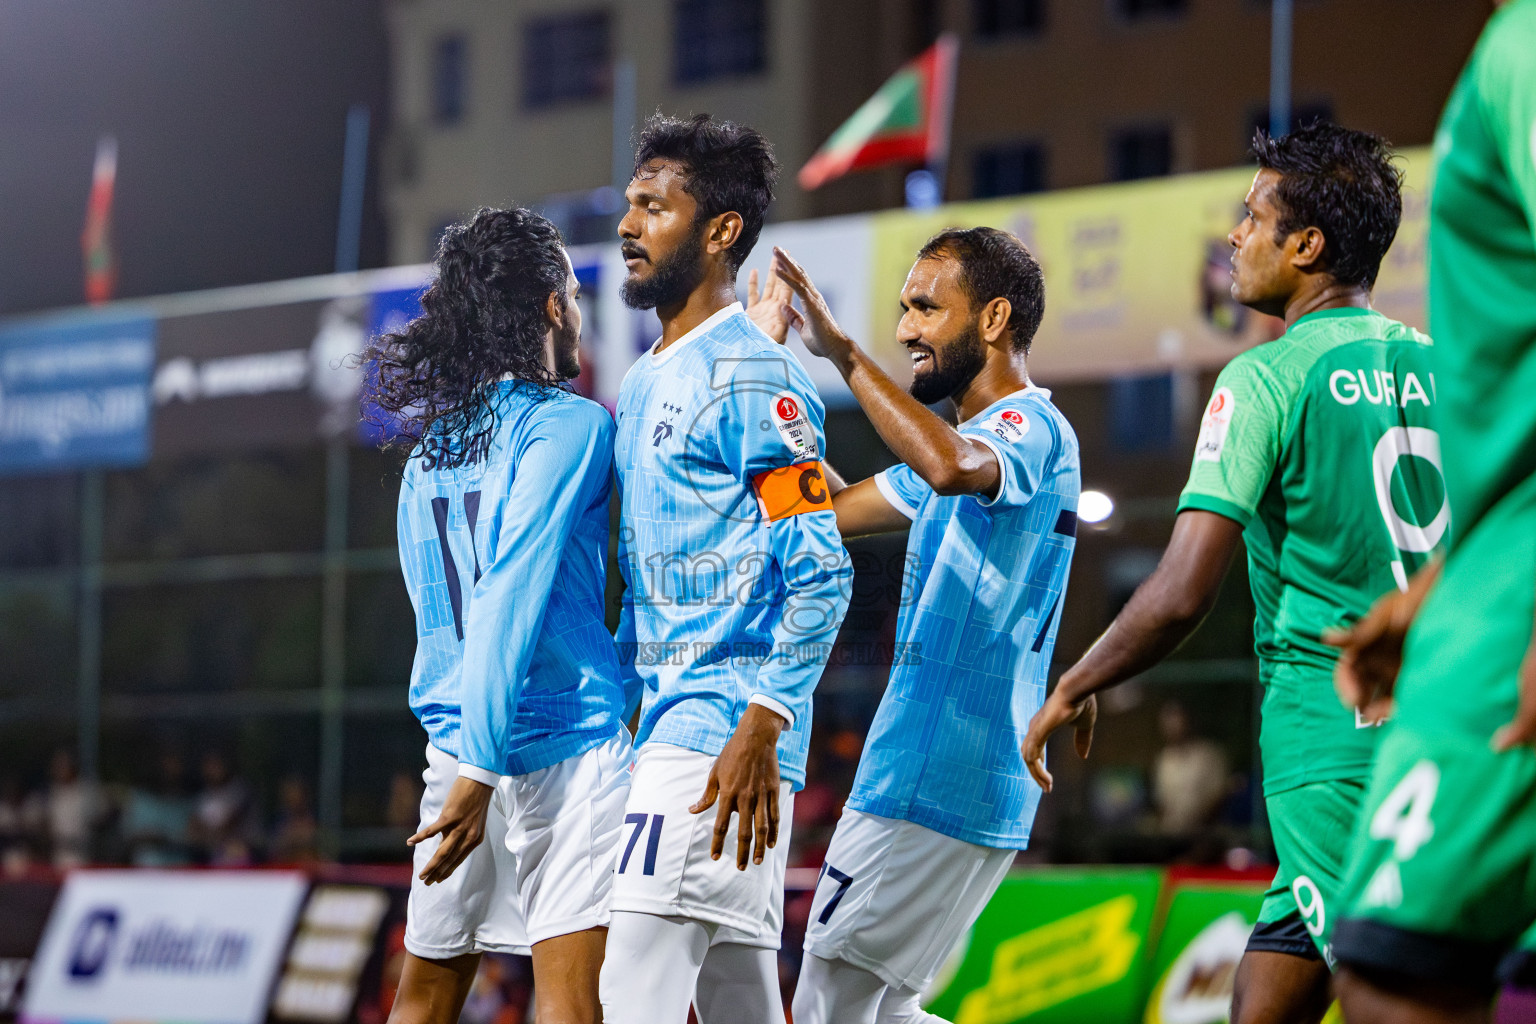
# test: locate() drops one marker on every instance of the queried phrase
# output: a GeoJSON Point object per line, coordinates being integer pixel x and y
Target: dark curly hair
{"type": "Point", "coordinates": [994, 264]}
{"type": "Point", "coordinates": [1345, 184]}
{"type": "Point", "coordinates": [484, 320]}
{"type": "Point", "coordinates": [730, 168]}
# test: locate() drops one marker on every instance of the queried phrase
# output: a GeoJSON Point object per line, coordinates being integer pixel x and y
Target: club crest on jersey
{"type": "Point", "coordinates": [663, 429]}
{"type": "Point", "coordinates": [794, 425]}
{"type": "Point", "coordinates": [1010, 425]}
{"type": "Point", "coordinates": [1213, 427]}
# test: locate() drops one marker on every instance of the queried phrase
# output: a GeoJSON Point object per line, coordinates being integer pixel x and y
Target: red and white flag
{"type": "Point", "coordinates": [95, 240]}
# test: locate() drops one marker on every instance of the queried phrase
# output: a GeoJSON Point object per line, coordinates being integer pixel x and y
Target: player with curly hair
{"type": "Point", "coordinates": [503, 530]}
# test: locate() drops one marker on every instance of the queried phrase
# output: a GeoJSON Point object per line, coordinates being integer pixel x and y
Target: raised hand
{"type": "Point", "coordinates": [770, 308]}
{"type": "Point", "coordinates": [816, 326]}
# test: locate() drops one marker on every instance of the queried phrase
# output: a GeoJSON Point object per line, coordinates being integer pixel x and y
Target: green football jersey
{"type": "Point", "coordinates": [1320, 444]}
{"type": "Point", "coordinates": [1482, 268]}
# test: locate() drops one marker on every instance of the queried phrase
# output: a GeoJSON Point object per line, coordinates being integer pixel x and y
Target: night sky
{"type": "Point", "coordinates": [230, 117]}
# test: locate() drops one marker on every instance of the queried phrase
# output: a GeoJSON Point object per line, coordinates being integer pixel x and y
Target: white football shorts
{"type": "Point", "coordinates": [663, 864]}
{"type": "Point", "coordinates": [894, 898]}
{"type": "Point", "coordinates": [545, 867]}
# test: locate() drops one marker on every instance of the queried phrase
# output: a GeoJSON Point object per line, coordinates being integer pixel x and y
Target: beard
{"type": "Point", "coordinates": [671, 280]}
{"type": "Point", "coordinates": [567, 354]}
{"type": "Point", "coordinates": [953, 369]}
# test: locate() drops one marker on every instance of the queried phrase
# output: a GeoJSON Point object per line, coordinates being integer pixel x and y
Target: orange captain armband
{"type": "Point", "coordinates": [792, 490]}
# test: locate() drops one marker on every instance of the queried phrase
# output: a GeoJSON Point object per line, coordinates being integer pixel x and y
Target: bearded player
{"type": "Point", "coordinates": [942, 801]}
{"type": "Point", "coordinates": [1317, 452]}
{"type": "Point", "coordinates": [1440, 882]}
{"type": "Point", "coordinates": [735, 584]}
{"type": "Point", "coordinates": [503, 535]}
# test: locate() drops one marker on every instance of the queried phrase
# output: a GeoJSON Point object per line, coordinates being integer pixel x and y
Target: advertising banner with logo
{"type": "Point", "coordinates": [1055, 947]}
{"type": "Point", "coordinates": [1203, 938]}
{"type": "Point", "coordinates": [75, 393]}
{"type": "Point", "coordinates": [1137, 274]}
{"type": "Point", "coordinates": [153, 946]}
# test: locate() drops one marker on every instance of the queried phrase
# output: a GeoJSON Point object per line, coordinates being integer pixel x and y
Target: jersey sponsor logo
{"type": "Point", "coordinates": [794, 425]}
{"type": "Point", "coordinates": [1213, 428]}
{"type": "Point", "coordinates": [1379, 388]}
{"type": "Point", "coordinates": [792, 490]}
{"type": "Point", "coordinates": [1010, 425]}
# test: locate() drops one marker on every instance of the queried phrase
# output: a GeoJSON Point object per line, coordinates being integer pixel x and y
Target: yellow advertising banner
{"type": "Point", "coordinates": [1136, 274]}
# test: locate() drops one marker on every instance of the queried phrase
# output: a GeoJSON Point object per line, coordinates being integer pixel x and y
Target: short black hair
{"type": "Point", "coordinates": [729, 166]}
{"type": "Point", "coordinates": [1345, 184]}
{"type": "Point", "coordinates": [994, 264]}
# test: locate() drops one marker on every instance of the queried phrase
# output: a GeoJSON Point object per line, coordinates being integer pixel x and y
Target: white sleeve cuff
{"type": "Point", "coordinates": [888, 492]}
{"type": "Point", "coordinates": [1002, 467]}
{"type": "Point", "coordinates": [481, 775]}
{"type": "Point", "coordinates": [777, 707]}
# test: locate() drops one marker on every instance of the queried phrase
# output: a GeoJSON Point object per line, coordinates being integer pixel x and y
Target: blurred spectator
{"type": "Point", "coordinates": [223, 819]}
{"type": "Point", "coordinates": [404, 808]}
{"type": "Point", "coordinates": [21, 826]}
{"type": "Point", "coordinates": [74, 808]}
{"type": "Point", "coordinates": [157, 820]}
{"type": "Point", "coordinates": [293, 839]}
{"type": "Point", "coordinates": [1189, 775]}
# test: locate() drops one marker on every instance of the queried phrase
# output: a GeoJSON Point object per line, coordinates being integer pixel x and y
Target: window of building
{"type": "Point", "coordinates": [566, 58]}
{"type": "Point", "coordinates": [449, 74]}
{"type": "Point", "coordinates": [999, 18]}
{"type": "Point", "coordinates": [1140, 153]}
{"type": "Point", "coordinates": [1008, 170]}
{"type": "Point", "coordinates": [715, 39]}
{"type": "Point", "coordinates": [1133, 9]}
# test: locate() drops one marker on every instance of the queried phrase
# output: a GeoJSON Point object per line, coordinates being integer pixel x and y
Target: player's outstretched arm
{"type": "Point", "coordinates": [947, 460]}
{"type": "Point", "coordinates": [862, 510]}
{"type": "Point", "coordinates": [1163, 612]}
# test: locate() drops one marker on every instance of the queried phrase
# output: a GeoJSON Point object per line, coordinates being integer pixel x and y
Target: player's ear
{"type": "Point", "coordinates": [724, 231]}
{"type": "Point", "coordinates": [1309, 248]}
{"type": "Point", "coordinates": [994, 320]}
{"type": "Point", "coordinates": [554, 310]}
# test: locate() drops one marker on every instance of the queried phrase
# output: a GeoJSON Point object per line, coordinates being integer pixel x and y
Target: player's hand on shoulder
{"type": "Point", "coordinates": [462, 826]}
{"type": "Point", "coordinates": [745, 781]}
{"type": "Point", "coordinates": [816, 325]}
{"type": "Point", "coordinates": [1055, 713]}
{"type": "Point", "coordinates": [769, 308]}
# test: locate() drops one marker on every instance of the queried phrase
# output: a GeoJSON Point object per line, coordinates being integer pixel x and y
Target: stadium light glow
{"type": "Point", "coordinates": [1095, 507]}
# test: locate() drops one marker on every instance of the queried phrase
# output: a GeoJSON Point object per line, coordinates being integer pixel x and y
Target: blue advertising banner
{"type": "Point", "coordinates": [75, 394]}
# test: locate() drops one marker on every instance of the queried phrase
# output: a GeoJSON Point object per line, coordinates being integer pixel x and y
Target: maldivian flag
{"type": "Point", "coordinates": [905, 121]}
{"type": "Point", "coordinates": [95, 240]}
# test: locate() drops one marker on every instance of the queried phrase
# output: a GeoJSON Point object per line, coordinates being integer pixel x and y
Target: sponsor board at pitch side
{"type": "Point", "coordinates": [152, 946]}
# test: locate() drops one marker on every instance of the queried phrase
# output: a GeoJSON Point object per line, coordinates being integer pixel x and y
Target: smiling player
{"type": "Point", "coordinates": [942, 801]}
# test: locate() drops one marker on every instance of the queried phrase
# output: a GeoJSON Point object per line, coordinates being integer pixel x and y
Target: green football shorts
{"type": "Point", "coordinates": [1312, 827]}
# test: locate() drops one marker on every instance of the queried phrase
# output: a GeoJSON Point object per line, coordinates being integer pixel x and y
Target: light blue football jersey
{"type": "Point", "coordinates": [723, 602]}
{"type": "Point", "coordinates": [503, 548]}
{"type": "Point", "coordinates": [980, 606]}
